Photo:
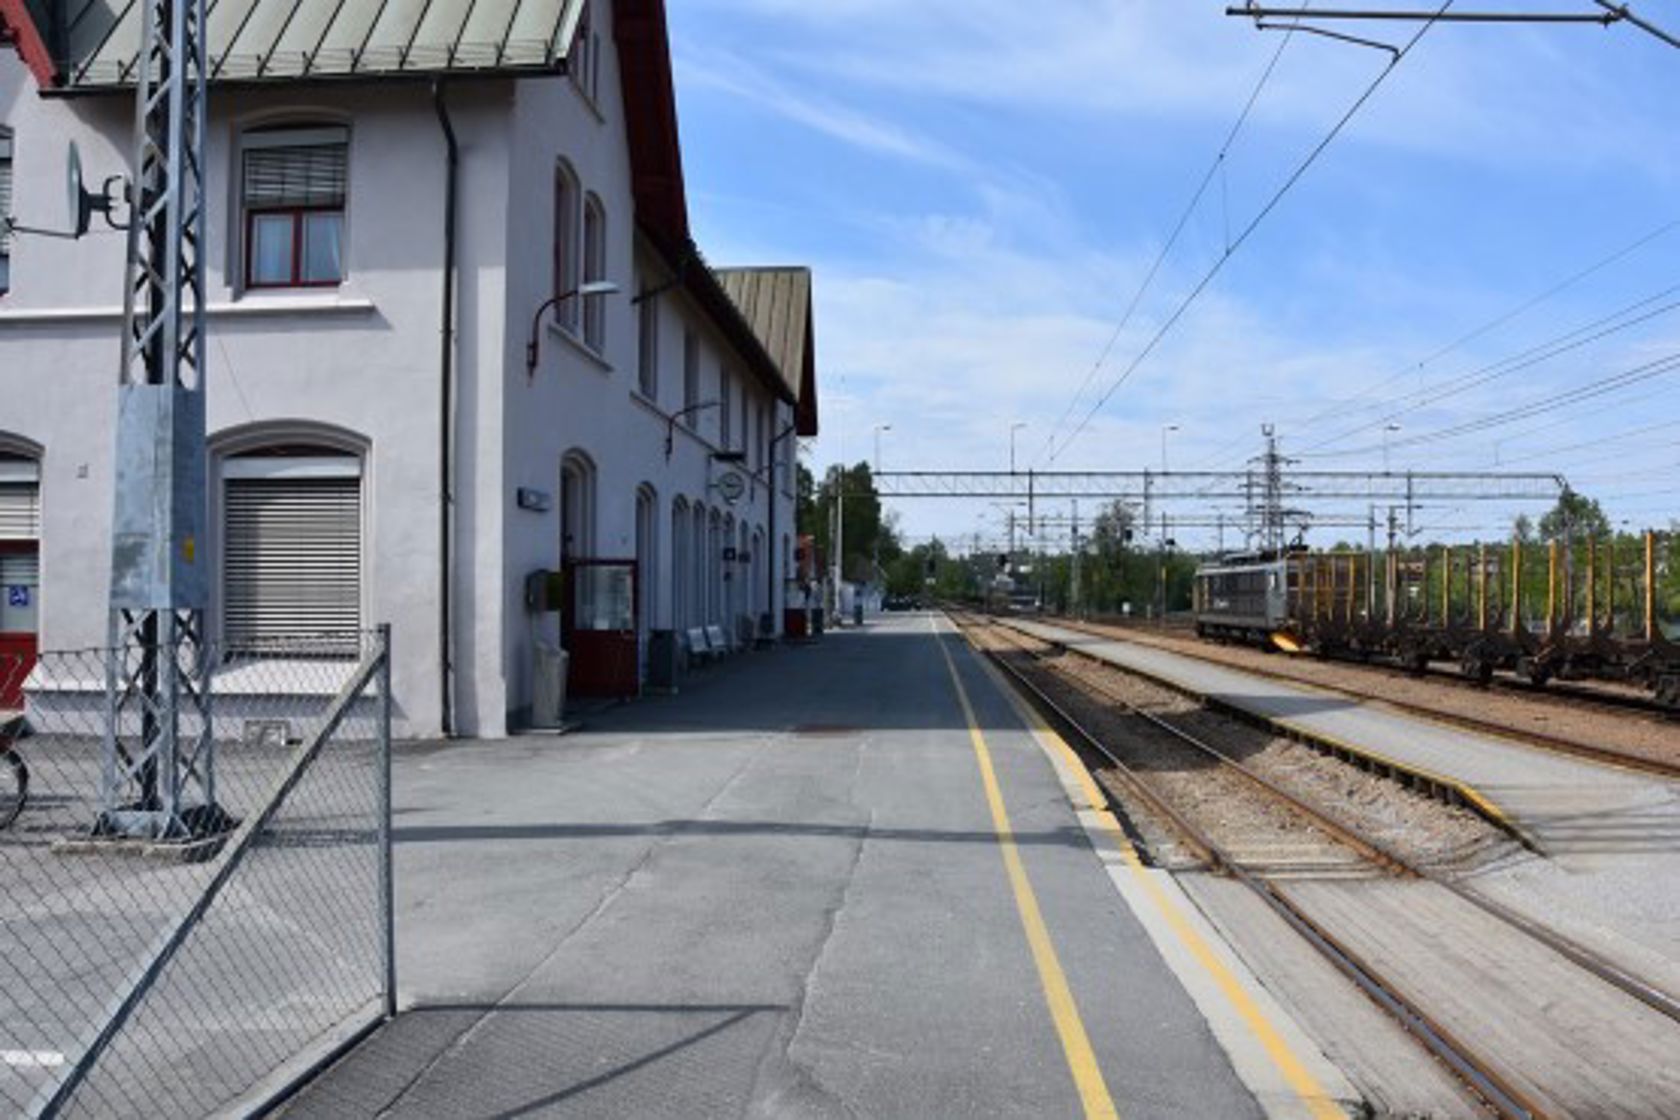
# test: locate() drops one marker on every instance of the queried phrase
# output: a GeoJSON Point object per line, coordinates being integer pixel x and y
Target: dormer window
{"type": "Point", "coordinates": [293, 186]}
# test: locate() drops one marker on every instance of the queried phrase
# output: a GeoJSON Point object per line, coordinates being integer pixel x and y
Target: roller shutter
{"type": "Point", "coordinates": [292, 558]}
{"type": "Point", "coordinates": [20, 511]}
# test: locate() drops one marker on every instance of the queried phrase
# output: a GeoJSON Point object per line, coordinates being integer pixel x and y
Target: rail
{"type": "Point", "coordinates": [1475, 1070]}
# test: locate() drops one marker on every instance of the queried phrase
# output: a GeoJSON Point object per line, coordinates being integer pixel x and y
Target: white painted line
{"type": "Point", "coordinates": [31, 1059]}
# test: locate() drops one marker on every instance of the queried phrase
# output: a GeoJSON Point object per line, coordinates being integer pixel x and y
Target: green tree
{"type": "Point", "coordinates": [1575, 515]}
{"type": "Point", "coordinates": [867, 532]}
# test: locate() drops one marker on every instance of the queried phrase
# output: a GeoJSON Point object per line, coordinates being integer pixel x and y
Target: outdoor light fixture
{"type": "Point", "coordinates": [671, 422]}
{"type": "Point", "coordinates": [593, 288]}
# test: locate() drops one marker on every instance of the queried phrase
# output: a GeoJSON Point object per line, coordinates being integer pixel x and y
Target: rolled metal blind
{"type": "Point", "coordinates": [20, 512]}
{"type": "Point", "coordinates": [295, 167]}
{"type": "Point", "coordinates": [292, 558]}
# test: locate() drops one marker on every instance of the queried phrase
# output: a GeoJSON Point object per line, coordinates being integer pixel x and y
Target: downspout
{"type": "Point", "coordinates": [446, 424]}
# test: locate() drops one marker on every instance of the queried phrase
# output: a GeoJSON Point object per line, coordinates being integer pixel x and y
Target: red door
{"type": "Point", "coordinates": [600, 629]}
{"type": "Point", "coordinates": [20, 588]}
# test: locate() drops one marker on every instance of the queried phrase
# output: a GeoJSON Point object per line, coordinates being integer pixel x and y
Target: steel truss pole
{"type": "Point", "coordinates": [159, 760]}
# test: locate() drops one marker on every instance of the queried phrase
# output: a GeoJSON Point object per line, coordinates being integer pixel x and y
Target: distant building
{"type": "Point", "coordinates": [379, 450]}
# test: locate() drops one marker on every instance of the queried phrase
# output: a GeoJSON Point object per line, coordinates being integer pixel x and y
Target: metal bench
{"type": "Point", "coordinates": [699, 648]}
{"type": "Point", "coordinates": [719, 642]}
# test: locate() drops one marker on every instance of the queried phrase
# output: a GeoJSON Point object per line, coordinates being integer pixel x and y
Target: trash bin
{"type": "Point", "coordinates": [548, 686]}
{"type": "Point", "coordinates": [817, 621]}
{"type": "Point", "coordinates": [857, 613]}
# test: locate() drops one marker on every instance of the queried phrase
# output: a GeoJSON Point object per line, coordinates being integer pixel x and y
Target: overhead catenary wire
{"type": "Point", "coordinates": [1357, 403]}
{"type": "Point", "coordinates": [1215, 168]}
{"type": "Point", "coordinates": [1265, 211]}
{"type": "Point", "coordinates": [1584, 335]}
{"type": "Point", "coordinates": [1658, 367]}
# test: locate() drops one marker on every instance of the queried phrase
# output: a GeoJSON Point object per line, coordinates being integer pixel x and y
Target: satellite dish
{"type": "Point", "coordinates": [81, 203]}
{"type": "Point", "coordinates": [84, 204]}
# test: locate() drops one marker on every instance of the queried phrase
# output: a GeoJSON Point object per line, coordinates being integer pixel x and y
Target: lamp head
{"type": "Point", "coordinates": [598, 288]}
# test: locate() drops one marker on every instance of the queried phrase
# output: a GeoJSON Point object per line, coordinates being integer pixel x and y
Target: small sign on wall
{"type": "Point", "coordinates": [535, 501]}
{"type": "Point", "coordinates": [17, 597]}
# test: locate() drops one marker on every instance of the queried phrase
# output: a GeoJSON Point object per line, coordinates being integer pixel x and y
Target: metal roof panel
{"type": "Point", "coordinates": [260, 40]}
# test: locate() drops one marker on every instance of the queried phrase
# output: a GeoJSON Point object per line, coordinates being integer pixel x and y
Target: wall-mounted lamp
{"type": "Point", "coordinates": [671, 422]}
{"type": "Point", "coordinates": [593, 288]}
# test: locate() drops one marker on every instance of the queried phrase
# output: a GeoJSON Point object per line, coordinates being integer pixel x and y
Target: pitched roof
{"type": "Point", "coordinates": [776, 302]}
{"type": "Point", "coordinates": [94, 44]}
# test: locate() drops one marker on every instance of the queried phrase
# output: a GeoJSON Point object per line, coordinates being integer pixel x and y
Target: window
{"type": "Point", "coordinates": [565, 245]}
{"type": "Point", "coordinates": [293, 185]}
{"type": "Point", "coordinates": [763, 437]}
{"type": "Point", "coordinates": [726, 390]}
{"type": "Point", "coordinates": [291, 545]}
{"type": "Point", "coordinates": [5, 210]}
{"type": "Point", "coordinates": [647, 346]}
{"type": "Point", "coordinates": [594, 268]}
{"type": "Point", "coordinates": [691, 379]}
{"type": "Point", "coordinates": [583, 61]}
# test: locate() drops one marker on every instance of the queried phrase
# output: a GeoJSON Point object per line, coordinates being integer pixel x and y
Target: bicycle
{"type": "Point", "coordinates": [14, 772]}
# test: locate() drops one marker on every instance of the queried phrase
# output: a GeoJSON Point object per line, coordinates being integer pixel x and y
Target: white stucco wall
{"type": "Point", "coordinates": [364, 359]}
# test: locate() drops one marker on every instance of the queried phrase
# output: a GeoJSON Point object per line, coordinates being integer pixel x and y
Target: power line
{"type": "Point", "coordinates": [1214, 168]}
{"type": "Point", "coordinates": [1265, 212]}
{"type": "Point", "coordinates": [1352, 404]}
{"type": "Point", "coordinates": [1583, 335]}
{"type": "Point", "coordinates": [1637, 374]}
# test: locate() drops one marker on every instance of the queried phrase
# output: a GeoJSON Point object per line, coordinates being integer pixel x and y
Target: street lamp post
{"type": "Point", "coordinates": [875, 552]}
{"type": "Point", "coordinates": [1013, 428]}
{"type": "Point", "coordinates": [1165, 428]}
{"type": "Point", "coordinates": [1388, 430]}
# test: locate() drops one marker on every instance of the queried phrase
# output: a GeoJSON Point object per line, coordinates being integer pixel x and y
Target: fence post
{"type": "Point", "coordinates": [387, 887]}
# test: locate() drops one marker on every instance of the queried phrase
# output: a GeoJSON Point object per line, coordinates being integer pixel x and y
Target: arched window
{"type": "Point", "coordinates": [594, 268]}
{"type": "Point", "coordinates": [293, 185]}
{"type": "Point", "coordinates": [680, 579]}
{"type": "Point", "coordinates": [714, 569]}
{"type": "Point", "coordinates": [566, 202]}
{"type": "Point", "coordinates": [291, 544]}
{"type": "Point", "coordinates": [577, 507]}
{"type": "Point", "coordinates": [647, 556]}
{"type": "Point", "coordinates": [700, 604]}
{"type": "Point", "coordinates": [5, 210]}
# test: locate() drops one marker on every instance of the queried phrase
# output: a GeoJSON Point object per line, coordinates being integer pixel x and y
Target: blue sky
{"type": "Point", "coordinates": [981, 187]}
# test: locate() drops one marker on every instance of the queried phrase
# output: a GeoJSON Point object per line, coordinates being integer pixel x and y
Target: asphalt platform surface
{"type": "Point", "coordinates": [779, 893]}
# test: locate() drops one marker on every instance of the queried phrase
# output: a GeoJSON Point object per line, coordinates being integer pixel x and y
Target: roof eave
{"type": "Point", "coordinates": [18, 27]}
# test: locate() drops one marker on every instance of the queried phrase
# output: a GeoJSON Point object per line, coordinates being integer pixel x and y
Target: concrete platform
{"type": "Point", "coordinates": [808, 886]}
{"type": "Point", "coordinates": [1611, 837]}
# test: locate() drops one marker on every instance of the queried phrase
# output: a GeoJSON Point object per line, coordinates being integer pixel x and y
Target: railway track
{"type": "Point", "coordinates": [1561, 744]}
{"type": "Point", "coordinates": [1479, 1073]}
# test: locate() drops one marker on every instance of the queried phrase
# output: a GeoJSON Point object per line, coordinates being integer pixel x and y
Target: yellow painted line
{"type": "Point", "coordinates": [1064, 1012]}
{"type": "Point", "coordinates": [1305, 1086]}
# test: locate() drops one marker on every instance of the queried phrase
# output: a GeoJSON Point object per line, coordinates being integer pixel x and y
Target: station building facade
{"type": "Point", "coordinates": [403, 427]}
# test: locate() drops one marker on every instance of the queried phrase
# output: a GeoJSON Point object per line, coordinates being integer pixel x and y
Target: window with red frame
{"type": "Point", "coordinates": [293, 188]}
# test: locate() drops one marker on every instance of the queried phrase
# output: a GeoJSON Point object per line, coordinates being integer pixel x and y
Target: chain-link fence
{"type": "Point", "coordinates": [200, 972]}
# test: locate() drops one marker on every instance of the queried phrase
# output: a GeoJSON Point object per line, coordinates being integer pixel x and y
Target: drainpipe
{"type": "Point", "coordinates": [446, 422]}
{"type": "Point", "coordinates": [771, 544]}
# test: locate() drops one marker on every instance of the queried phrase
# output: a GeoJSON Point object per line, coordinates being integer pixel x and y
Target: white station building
{"type": "Point", "coordinates": [403, 427]}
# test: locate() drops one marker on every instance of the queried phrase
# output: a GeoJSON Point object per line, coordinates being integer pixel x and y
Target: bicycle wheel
{"type": "Point", "coordinates": [14, 786]}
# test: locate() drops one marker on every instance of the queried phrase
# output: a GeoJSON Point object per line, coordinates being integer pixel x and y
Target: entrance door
{"type": "Point", "coordinates": [20, 615]}
{"type": "Point", "coordinates": [601, 628]}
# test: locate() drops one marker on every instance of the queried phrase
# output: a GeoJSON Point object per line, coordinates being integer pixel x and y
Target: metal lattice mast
{"type": "Point", "coordinates": [159, 778]}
